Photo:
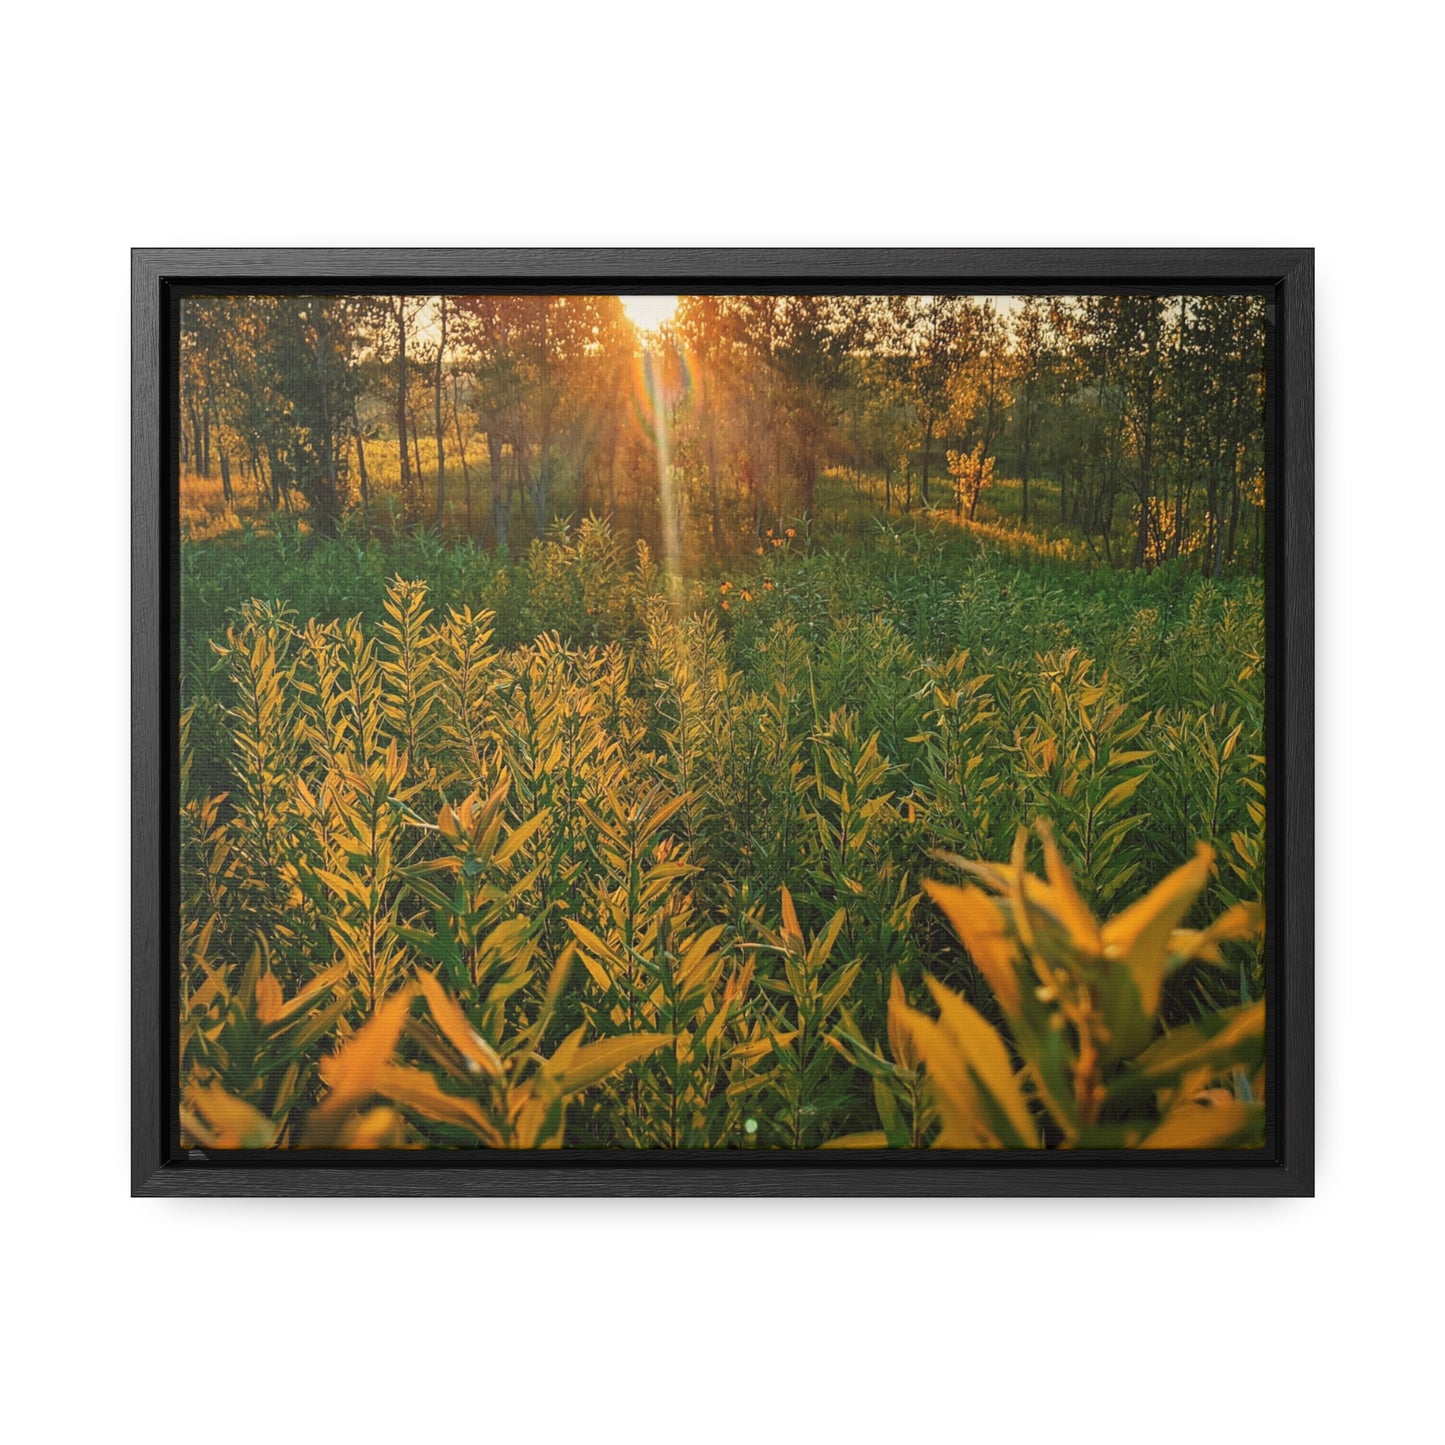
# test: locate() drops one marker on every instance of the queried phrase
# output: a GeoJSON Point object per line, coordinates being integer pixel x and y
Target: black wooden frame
{"type": "Point", "coordinates": [1285, 1166]}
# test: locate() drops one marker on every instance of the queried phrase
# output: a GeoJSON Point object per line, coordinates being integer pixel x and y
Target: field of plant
{"type": "Point", "coordinates": [907, 835]}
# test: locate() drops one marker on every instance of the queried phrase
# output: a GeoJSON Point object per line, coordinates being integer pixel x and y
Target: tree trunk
{"type": "Point", "coordinates": [462, 448]}
{"type": "Point", "coordinates": [272, 468]}
{"type": "Point", "coordinates": [500, 510]}
{"type": "Point", "coordinates": [441, 440]}
{"type": "Point", "coordinates": [360, 454]}
{"type": "Point", "coordinates": [543, 482]}
{"type": "Point", "coordinates": [401, 395]}
{"type": "Point", "coordinates": [1233, 505]}
{"type": "Point", "coordinates": [810, 478]}
{"type": "Point", "coordinates": [1024, 465]}
{"type": "Point", "coordinates": [258, 470]}
{"type": "Point", "coordinates": [195, 436]}
{"type": "Point", "coordinates": [712, 479]}
{"type": "Point", "coordinates": [927, 449]}
{"type": "Point", "coordinates": [1181, 493]}
{"type": "Point", "coordinates": [1146, 489]}
{"type": "Point", "coordinates": [326, 510]}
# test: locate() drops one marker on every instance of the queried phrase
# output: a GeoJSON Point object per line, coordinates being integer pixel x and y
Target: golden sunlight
{"type": "Point", "coordinates": [647, 313]}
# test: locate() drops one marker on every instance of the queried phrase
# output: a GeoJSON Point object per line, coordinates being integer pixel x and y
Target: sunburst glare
{"type": "Point", "coordinates": [647, 313]}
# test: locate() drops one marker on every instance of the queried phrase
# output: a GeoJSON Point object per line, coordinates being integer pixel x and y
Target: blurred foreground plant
{"type": "Point", "coordinates": [1088, 1067]}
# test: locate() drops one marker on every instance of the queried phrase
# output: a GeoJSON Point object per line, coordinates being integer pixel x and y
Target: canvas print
{"type": "Point", "coordinates": [720, 722]}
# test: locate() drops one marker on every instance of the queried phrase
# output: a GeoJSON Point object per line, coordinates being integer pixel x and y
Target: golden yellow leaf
{"type": "Point", "coordinates": [478, 1053]}
{"type": "Point", "coordinates": [1237, 923]}
{"type": "Point", "coordinates": [269, 999]}
{"type": "Point", "coordinates": [592, 1063]}
{"type": "Point", "coordinates": [318, 985]}
{"type": "Point", "coordinates": [1065, 901]}
{"type": "Point", "coordinates": [1138, 938]}
{"type": "Point", "coordinates": [900, 1041]}
{"type": "Point", "coordinates": [351, 1072]}
{"type": "Point", "coordinates": [1208, 1123]}
{"type": "Point", "coordinates": [419, 1092]}
{"type": "Point", "coordinates": [980, 925]}
{"type": "Point", "coordinates": [987, 1058]}
{"type": "Point", "coordinates": [1237, 1038]}
{"type": "Point", "coordinates": [379, 1128]}
{"type": "Point", "coordinates": [791, 927]}
{"type": "Point", "coordinates": [960, 1109]}
{"type": "Point", "coordinates": [219, 1120]}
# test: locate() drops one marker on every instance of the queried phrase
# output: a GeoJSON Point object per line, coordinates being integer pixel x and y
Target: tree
{"type": "Point", "coordinates": [439, 367]}
{"type": "Point", "coordinates": [812, 339]}
{"type": "Point", "coordinates": [1031, 358]}
{"type": "Point", "coordinates": [402, 308]}
{"type": "Point", "coordinates": [978, 395]}
{"type": "Point", "coordinates": [926, 335]}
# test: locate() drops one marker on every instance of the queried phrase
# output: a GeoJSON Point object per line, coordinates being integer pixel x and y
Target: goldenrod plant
{"type": "Point", "coordinates": [688, 843]}
{"type": "Point", "coordinates": [793, 1073]}
{"type": "Point", "coordinates": [1080, 1059]}
{"type": "Point", "coordinates": [570, 719]}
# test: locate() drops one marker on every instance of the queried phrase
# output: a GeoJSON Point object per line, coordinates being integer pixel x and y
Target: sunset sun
{"type": "Point", "coordinates": [647, 313]}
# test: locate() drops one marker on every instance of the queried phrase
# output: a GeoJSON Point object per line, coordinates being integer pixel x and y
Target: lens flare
{"type": "Point", "coordinates": [664, 378]}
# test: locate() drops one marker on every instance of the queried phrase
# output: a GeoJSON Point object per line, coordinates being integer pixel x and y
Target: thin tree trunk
{"type": "Point", "coordinates": [927, 449]}
{"type": "Point", "coordinates": [275, 477]}
{"type": "Point", "coordinates": [416, 455]}
{"type": "Point", "coordinates": [712, 479]}
{"type": "Point", "coordinates": [500, 510]}
{"type": "Point", "coordinates": [462, 448]}
{"type": "Point", "coordinates": [401, 395]}
{"type": "Point", "coordinates": [1233, 504]}
{"type": "Point", "coordinates": [1146, 488]}
{"type": "Point", "coordinates": [1024, 468]}
{"type": "Point", "coordinates": [1181, 494]}
{"type": "Point", "coordinates": [195, 436]}
{"type": "Point", "coordinates": [360, 454]}
{"type": "Point", "coordinates": [441, 439]}
{"type": "Point", "coordinates": [326, 512]}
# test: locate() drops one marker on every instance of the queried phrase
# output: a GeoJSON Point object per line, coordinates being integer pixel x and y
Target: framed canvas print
{"type": "Point", "coordinates": [806, 722]}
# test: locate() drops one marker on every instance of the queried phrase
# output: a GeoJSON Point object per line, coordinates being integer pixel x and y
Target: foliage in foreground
{"type": "Point", "coordinates": [1079, 1001]}
{"type": "Point", "coordinates": [663, 890]}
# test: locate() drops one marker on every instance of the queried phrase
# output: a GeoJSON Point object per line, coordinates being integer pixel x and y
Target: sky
{"type": "Point", "coordinates": [649, 312]}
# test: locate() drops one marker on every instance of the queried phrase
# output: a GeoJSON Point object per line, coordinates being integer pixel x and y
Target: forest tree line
{"type": "Point", "coordinates": [1135, 421]}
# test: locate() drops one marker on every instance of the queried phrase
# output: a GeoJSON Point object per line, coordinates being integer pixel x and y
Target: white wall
{"type": "Point", "coordinates": [875, 125]}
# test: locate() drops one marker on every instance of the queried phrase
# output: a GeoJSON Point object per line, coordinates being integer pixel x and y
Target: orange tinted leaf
{"type": "Point", "coordinates": [1138, 938]}
{"type": "Point", "coordinates": [791, 927]}
{"type": "Point", "coordinates": [269, 998]}
{"type": "Point", "coordinates": [980, 925]}
{"type": "Point", "coordinates": [478, 1053]}
{"type": "Point", "coordinates": [1208, 1123]}
{"type": "Point", "coordinates": [351, 1072]}
{"type": "Point", "coordinates": [987, 1059]}
{"type": "Point", "coordinates": [592, 1063]}
{"type": "Point", "coordinates": [960, 1110]}
{"type": "Point", "coordinates": [219, 1120]}
{"type": "Point", "coordinates": [875, 1139]}
{"type": "Point", "coordinates": [420, 1093]}
{"type": "Point", "coordinates": [1067, 903]}
{"type": "Point", "coordinates": [379, 1128]}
